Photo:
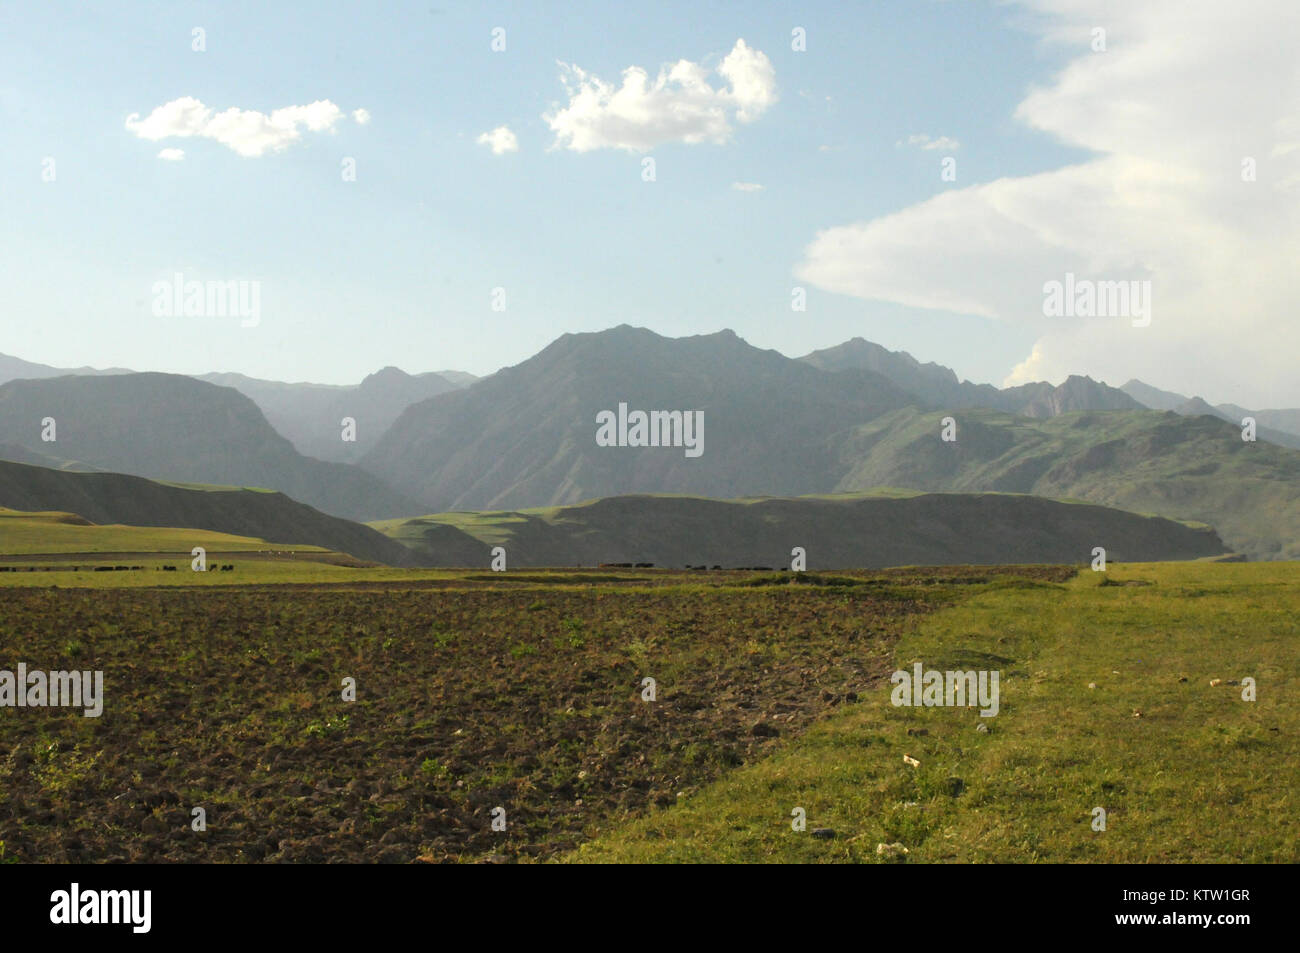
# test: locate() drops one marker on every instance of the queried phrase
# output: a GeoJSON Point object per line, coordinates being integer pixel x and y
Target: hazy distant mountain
{"type": "Point", "coordinates": [1042, 399]}
{"type": "Point", "coordinates": [16, 454]}
{"type": "Point", "coordinates": [310, 415]}
{"type": "Point", "coordinates": [1195, 407]}
{"type": "Point", "coordinates": [117, 498]}
{"type": "Point", "coordinates": [459, 378]}
{"type": "Point", "coordinates": [930, 529]}
{"type": "Point", "coordinates": [937, 387]}
{"type": "Point", "coordinates": [1276, 426]}
{"type": "Point", "coordinates": [170, 427]}
{"type": "Point", "coordinates": [13, 368]}
{"type": "Point", "coordinates": [1153, 397]}
{"type": "Point", "coordinates": [1284, 420]}
{"type": "Point", "coordinates": [932, 384]}
{"type": "Point", "coordinates": [527, 434]}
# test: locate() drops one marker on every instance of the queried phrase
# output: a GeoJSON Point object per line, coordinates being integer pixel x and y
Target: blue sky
{"type": "Point", "coordinates": [398, 266]}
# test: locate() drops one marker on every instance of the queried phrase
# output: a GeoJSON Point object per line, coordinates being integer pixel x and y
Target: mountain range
{"type": "Point", "coordinates": [936, 386]}
{"type": "Point", "coordinates": [309, 415]}
{"type": "Point", "coordinates": [175, 428]}
{"type": "Point", "coordinates": [312, 415]}
{"type": "Point", "coordinates": [1277, 426]}
{"type": "Point", "coordinates": [844, 419]}
{"type": "Point", "coordinates": [526, 435]}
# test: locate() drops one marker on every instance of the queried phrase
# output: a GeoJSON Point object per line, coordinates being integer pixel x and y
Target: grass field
{"type": "Point", "coordinates": [27, 533]}
{"type": "Point", "coordinates": [524, 690]}
{"type": "Point", "coordinates": [1186, 771]}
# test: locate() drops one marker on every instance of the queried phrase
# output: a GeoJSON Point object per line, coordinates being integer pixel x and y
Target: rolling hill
{"type": "Point", "coordinates": [836, 532]}
{"type": "Point", "coordinates": [114, 498]}
{"type": "Point", "coordinates": [55, 533]}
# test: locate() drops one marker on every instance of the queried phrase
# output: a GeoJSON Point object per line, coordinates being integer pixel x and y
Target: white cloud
{"type": "Point", "coordinates": [1028, 370]}
{"type": "Point", "coordinates": [1161, 199]}
{"type": "Point", "coordinates": [246, 131]}
{"type": "Point", "coordinates": [500, 139]}
{"type": "Point", "coordinates": [925, 142]}
{"type": "Point", "coordinates": [172, 155]}
{"type": "Point", "coordinates": [679, 105]}
{"type": "Point", "coordinates": [746, 186]}
{"type": "Point", "coordinates": [362, 116]}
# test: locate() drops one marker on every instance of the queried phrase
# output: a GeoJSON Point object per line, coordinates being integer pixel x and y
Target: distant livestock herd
{"type": "Point", "coordinates": [229, 567]}
{"type": "Point", "coordinates": [687, 566]}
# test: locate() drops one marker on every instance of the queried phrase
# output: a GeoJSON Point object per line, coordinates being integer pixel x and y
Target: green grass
{"type": "Point", "coordinates": [216, 488]}
{"type": "Point", "coordinates": [24, 533]}
{"type": "Point", "coordinates": [490, 528]}
{"type": "Point", "coordinates": [1201, 776]}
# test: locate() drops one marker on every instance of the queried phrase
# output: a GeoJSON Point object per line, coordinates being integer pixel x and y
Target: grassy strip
{"type": "Point", "coordinates": [1186, 771]}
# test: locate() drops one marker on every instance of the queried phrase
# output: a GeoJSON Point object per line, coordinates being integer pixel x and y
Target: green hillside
{"type": "Point", "coordinates": [115, 498]}
{"type": "Point", "coordinates": [1186, 468]}
{"type": "Point", "coordinates": [28, 533]}
{"type": "Point", "coordinates": [891, 528]}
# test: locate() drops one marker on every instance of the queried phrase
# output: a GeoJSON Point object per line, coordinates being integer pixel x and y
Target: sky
{"type": "Point", "coordinates": [435, 185]}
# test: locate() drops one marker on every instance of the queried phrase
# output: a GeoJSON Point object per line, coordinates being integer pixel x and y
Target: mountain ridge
{"type": "Point", "coordinates": [835, 533]}
{"type": "Point", "coordinates": [784, 427]}
{"type": "Point", "coordinates": [112, 498]}
{"type": "Point", "coordinates": [937, 387]}
{"type": "Point", "coordinates": [176, 428]}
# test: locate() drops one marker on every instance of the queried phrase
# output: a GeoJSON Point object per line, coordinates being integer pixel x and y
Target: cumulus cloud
{"type": "Point", "coordinates": [747, 186]}
{"type": "Point", "coordinates": [246, 131]}
{"type": "Point", "coordinates": [681, 104]}
{"type": "Point", "coordinates": [925, 142]}
{"type": "Point", "coordinates": [172, 155]}
{"type": "Point", "coordinates": [362, 116]}
{"type": "Point", "coordinates": [500, 140]}
{"type": "Point", "coordinates": [1162, 198]}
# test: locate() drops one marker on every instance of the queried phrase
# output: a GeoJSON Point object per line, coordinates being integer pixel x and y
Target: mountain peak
{"type": "Point", "coordinates": [386, 375]}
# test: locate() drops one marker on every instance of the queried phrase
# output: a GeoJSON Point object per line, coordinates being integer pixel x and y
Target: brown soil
{"type": "Point", "coordinates": [470, 698]}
